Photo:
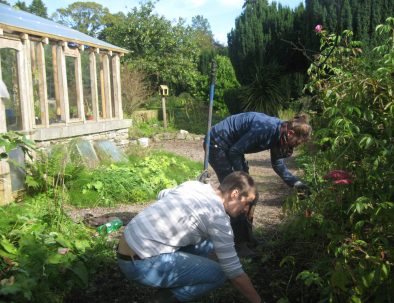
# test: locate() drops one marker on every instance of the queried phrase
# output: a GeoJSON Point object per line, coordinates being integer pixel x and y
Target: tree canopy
{"type": "Point", "coordinates": [86, 17]}
{"type": "Point", "coordinates": [268, 34]}
{"type": "Point", "coordinates": [37, 7]}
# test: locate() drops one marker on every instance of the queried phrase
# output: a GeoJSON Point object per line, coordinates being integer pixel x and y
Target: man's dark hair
{"type": "Point", "coordinates": [238, 180]}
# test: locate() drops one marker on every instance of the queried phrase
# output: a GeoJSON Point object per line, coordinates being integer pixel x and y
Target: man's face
{"type": "Point", "coordinates": [236, 205]}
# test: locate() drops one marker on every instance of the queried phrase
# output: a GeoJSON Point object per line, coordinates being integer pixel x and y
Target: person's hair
{"type": "Point", "coordinates": [241, 181]}
{"type": "Point", "coordinates": [299, 124]}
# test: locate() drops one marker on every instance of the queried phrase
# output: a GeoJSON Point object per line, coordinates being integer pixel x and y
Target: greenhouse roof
{"type": "Point", "coordinates": [21, 21]}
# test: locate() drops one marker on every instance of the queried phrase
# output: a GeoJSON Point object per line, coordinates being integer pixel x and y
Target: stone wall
{"type": "Point", "coordinates": [119, 137]}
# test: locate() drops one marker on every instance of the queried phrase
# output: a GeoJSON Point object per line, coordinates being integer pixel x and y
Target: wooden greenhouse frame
{"type": "Point", "coordinates": [62, 82]}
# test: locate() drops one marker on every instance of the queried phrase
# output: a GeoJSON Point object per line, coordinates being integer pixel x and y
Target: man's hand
{"type": "Point", "coordinates": [245, 286]}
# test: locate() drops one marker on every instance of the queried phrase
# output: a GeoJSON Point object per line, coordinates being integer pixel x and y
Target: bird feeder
{"type": "Point", "coordinates": [163, 90]}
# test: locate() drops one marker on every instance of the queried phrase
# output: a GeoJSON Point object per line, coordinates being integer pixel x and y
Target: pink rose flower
{"type": "Point", "coordinates": [318, 28]}
{"type": "Point", "coordinates": [339, 176]}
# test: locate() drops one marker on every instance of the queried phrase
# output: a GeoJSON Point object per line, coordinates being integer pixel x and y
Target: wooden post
{"type": "Point", "coordinates": [79, 84]}
{"type": "Point", "coordinates": [107, 87]}
{"type": "Point", "coordinates": [93, 84]}
{"type": "Point", "coordinates": [163, 105]}
{"type": "Point", "coordinates": [44, 111]}
{"type": "Point", "coordinates": [117, 86]}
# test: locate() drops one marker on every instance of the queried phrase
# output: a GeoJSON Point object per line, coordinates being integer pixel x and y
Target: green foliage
{"type": "Point", "coordinates": [39, 261]}
{"type": "Point", "coordinates": [225, 80]}
{"type": "Point", "coordinates": [21, 5]}
{"type": "Point", "coordinates": [12, 140]}
{"type": "Point", "coordinates": [233, 100]}
{"type": "Point", "coordinates": [51, 169]}
{"type": "Point", "coordinates": [353, 132]}
{"type": "Point", "coordinates": [166, 52]}
{"type": "Point", "coordinates": [147, 129]}
{"type": "Point", "coordinates": [86, 17]}
{"type": "Point", "coordinates": [135, 182]}
{"type": "Point", "coordinates": [263, 94]}
{"type": "Point", "coordinates": [260, 39]}
{"type": "Point", "coordinates": [184, 112]}
{"type": "Point", "coordinates": [37, 7]}
{"type": "Point", "coordinates": [202, 33]}
{"type": "Point", "coordinates": [267, 33]}
{"type": "Point", "coordinates": [44, 256]}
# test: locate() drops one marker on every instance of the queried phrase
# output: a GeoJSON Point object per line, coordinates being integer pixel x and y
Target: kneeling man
{"type": "Point", "coordinates": [167, 245]}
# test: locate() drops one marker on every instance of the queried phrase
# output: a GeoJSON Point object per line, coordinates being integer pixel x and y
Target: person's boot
{"type": "Point", "coordinates": [163, 295]}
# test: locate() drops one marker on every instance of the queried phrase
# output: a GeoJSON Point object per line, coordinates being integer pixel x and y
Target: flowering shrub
{"type": "Point", "coordinates": [339, 177]}
{"type": "Point", "coordinates": [353, 126]}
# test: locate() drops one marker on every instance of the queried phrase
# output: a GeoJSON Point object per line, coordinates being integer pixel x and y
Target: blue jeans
{"type": "Point", "coordinates": [188, 273]}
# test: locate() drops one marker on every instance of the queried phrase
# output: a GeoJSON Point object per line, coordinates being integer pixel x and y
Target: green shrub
{"type": "Point", "coordinates": [135, 182]}
{"type": "Point", "coordinates": [41, 260]}
{"type": "Point", "coordinates": [351, 221]}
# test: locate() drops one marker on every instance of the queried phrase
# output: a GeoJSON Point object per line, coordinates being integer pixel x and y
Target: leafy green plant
{"type": "Point", "coordinates": [52, 168]}
{"type": "Point", "coordinates": [12, 140]}
{"type": "Point", "coordinates": [148, 129]}
{"type": "Point", "coordinates": [43, 260]}
{"type": "Point", "coordinates": [263, 94]}
{"type": "Point", "coordinates": [137, 181]}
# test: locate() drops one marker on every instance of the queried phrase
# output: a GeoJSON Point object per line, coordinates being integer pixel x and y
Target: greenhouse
{"type": "Point", "coordinates": [61, 83]}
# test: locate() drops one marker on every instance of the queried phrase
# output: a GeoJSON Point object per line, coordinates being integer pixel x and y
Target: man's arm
{"type": "Point", "coordinates": [245, 286]}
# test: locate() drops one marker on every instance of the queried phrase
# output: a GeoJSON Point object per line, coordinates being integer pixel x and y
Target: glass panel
{"type": "Point", "coordinates": [100, 83]}
{"type": "Point", "coordinates": [9, 74]}
{"type": "Point", "coordinates": [54, 111]}
{"type": "Point", "coordinates": [17, 172]}
{"type": "Point", "coordinates": [87, 89]}
{"type": "Point", "coordinates": [72, 86]}
{"type": "Point", "coordinates": [35, 72]}
{"type": "Point", "coordinates": [107, 150]}
{"type": "Point", "coordinates": [86, 150]}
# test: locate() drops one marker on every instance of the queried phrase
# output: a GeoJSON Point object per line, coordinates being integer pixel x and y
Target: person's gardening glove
{"type": "Point", "coordinates": [302, 189]}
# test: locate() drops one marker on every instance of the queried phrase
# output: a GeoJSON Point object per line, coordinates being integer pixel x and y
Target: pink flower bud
{"type": "Point", "coordinates": [62, 250]}
{"type": "Point", "coordinates": [318, 28]}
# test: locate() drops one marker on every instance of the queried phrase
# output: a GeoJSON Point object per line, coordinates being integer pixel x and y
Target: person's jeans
{"type": "Point", "coordinates": [219, 161]}
{"type": "Point", "coordinates": [188, 272]}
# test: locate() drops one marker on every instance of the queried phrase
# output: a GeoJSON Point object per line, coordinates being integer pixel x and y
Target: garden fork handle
{"type": "Point", "coordinates": [211, 94]}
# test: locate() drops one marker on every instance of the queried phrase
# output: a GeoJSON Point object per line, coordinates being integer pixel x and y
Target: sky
{"type": "Point", "coordinates": [221, 14]}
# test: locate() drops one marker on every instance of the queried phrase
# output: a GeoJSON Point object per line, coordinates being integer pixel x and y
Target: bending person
{"type": "Point", "coordinates": [168, 244]}
{"type": "Point", "coordinates": [254, 132]}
